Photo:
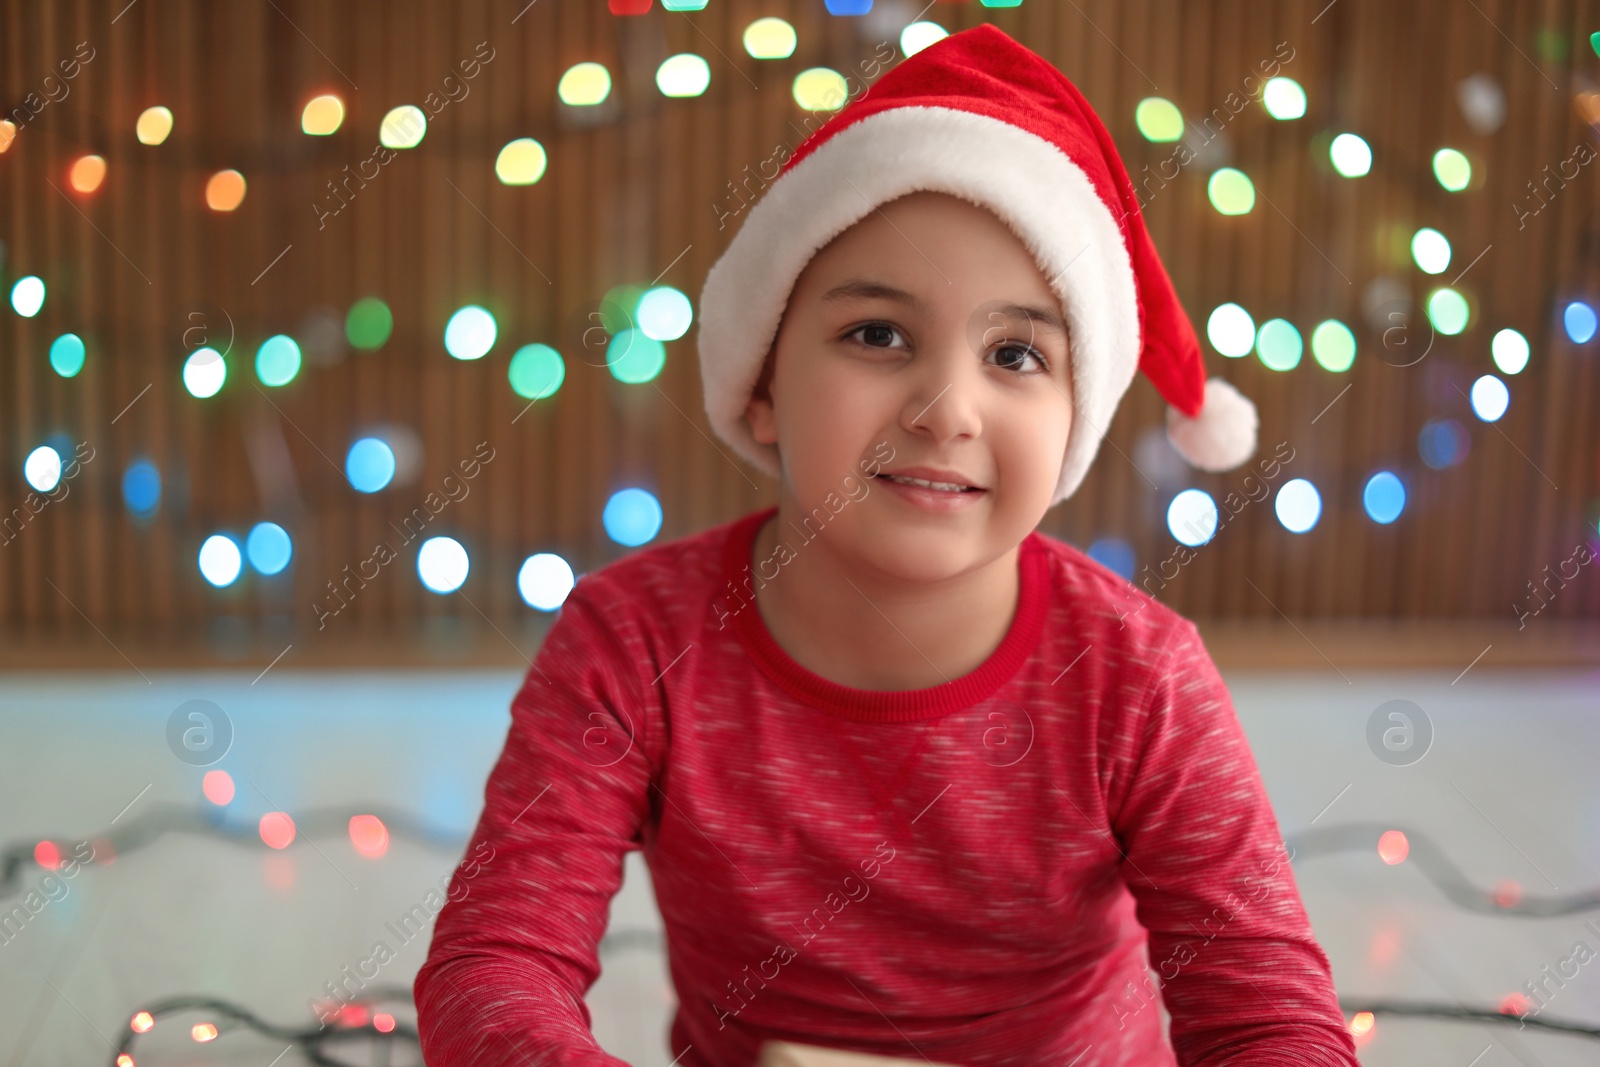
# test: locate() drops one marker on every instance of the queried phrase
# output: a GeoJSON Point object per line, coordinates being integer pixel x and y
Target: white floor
{"type": "Point", "coordinates": [1508, 790]}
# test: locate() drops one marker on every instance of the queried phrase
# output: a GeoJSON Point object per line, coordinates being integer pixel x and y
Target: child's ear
{"type": "Point", "coordinates": [763, 423]}
{"type": "Point", "coordinates": [758, 412]}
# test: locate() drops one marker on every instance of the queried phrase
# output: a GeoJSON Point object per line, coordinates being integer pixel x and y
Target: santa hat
{"type": "Point", "coordinates": [980, 117]}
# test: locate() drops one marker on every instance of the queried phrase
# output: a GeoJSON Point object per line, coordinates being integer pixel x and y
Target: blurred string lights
{"type": "Point", "coordinates": [643, 321]}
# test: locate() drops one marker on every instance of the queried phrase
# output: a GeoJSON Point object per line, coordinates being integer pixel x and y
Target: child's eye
{"type": "Point", "coordinates": [1014, 354]}
{"type": "Point", "coordinates": [878, 335]}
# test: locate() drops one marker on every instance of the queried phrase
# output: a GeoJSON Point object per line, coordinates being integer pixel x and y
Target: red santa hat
{"type": "Point", "coordinates": [980, 117]}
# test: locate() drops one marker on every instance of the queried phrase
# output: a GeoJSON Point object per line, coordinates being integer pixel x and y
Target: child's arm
{"type": "Point", "coordinates": [515, 948]}
{"type": "Point", "coordinates": [1239, 970]}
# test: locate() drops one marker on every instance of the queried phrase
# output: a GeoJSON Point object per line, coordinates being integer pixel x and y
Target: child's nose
{"type": "Point", "coordinates": [944, 399]}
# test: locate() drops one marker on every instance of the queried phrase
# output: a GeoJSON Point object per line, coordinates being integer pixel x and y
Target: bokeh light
{"type": "Point", "coordinates": [536, 371]}
{"type": "Point", "coordinates": [1351, 156]}
{"type": "Point", "coordinates": [369, 836]}
{"type": "Point", "coordinates": [820, 89]}
{"type": "Point", "coordinates": [1393, 847]}
{"type": "Point", "coordinates": [619, 308]}
{"type": "Point", "coordinates": [1510, 351]}
{"type": "Point", "coordinates": [1431, 250]}
{"type": "Point", "coordinates": [919, 35]}
{"type": "Point", "coordinates": [1231, 330]}
{"type": "Point", "coordinates": [220, 560]}
{"type": "Point", "coordinates": [684, 5]}
{"type": "Point", "coordinates": [1192, 517]}
{"type": "Point", "coordinates": [1279, 345]}
{"type": "Point", "coordinates": [42, 468]}
{"type": "Point", "coordinates": [1443, 443]}
{"type": "Point", "coordinates": [322, 115]}
{"type": "Point", "coordinates": [268, 547]}
{"type": "Point", "coordinates": [632, 517]}
{"type": "Point", "coordinates": [1114, 554]}
{"type": "Point", "coordinates": [848, 7]}
{"type": "Point", "coordinates": [442, 564]}
{"type": "Point", "coordinates": [521, 162]}
{"type": "Point", "coordinates": [368, 323]}
{"type": "Point", "coordinates": [1158, 119]}
{"type": "Point", "coordinates": [1284, 98]}
{"type": "Point", "coordinates": [87, 173]}
{"type": "Point", "coordinates": [544, 581]}
{"type": "Point", "coordinates": [403, 127]}
{"type": "Point", "coordinates": [1452, 169]}
{"type": "Point", "coordinates": [204, 372]}
{"type": "Point", "coordinates": [1448, 311]}
{"type": "Point", "coordinates": [1231, 191]}
{"type": "Point", "coordinates": [1298, 505]}
{"type": "Point", "coordinates": [277, 360]}
{"type": "Point", "coordinates": [27, 296]}
{"type": "Point", "coordinates": [683, 75]}
{"type": "Point", "coordinates": [1579, 321]}
{"type": "Point", "coordinates": [1333, 345]}
{"type": "Point", "coordinates": [8, 134]}
{"type": "Point", "coordinates": [277, 830]}
{"type": "Point", "coordinates": [633, 356]}
{"type": "Point", "coordinates": [664, 313]}
{"type": "Point", "coordinates": [369, 464]}
{"type": "Point", "coordinates": [584, 85]}
{"type": "Point", "coordinates": [154, 125]}
{"type": "Point", "coordinates": [770, 38]}
{"type": "Point", "coordinates": [1490, 398]}
{"type": "Point", "coordinates": [141, 488]}
{"type": "Point", "coordinates": [470, 333]}
{"type": "Point", "coordinates": [1384, 497]}
{"type": "Point", "coordinates": [67, 355]}
{"type": "Point", "coordinates": [217, 786]}
{"type": "Point", "coordinates": [225, 190]}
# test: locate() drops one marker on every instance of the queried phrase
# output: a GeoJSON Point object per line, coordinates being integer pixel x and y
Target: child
{"type": "Point", "coordinates": [910, 777]}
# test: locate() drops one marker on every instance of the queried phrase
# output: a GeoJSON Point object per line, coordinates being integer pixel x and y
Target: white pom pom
{"type": "Point", "coordinates": [1222, 436]}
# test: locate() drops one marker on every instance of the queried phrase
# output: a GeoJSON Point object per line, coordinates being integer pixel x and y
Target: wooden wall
{"type": "Point", "coordinates": [629, 196]}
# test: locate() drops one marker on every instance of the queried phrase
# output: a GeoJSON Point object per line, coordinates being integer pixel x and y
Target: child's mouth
{"type": "Point", "coordinates": [922, 483]}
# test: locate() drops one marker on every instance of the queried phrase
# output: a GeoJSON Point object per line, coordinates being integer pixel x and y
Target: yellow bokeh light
{"type": "Point", "coordinates": [820, 89]}
{"type": "Point", "coordinates": [769, 38]}
{"type": "Point", "coordinates": [521, 162]}
{"type": "Point", "coordinates": [87, 173]}
{"type": "Point", "coordinates": [584, 85]}
{"type": "Point", "coordinates": [322, 115]}
{"type": "Point", "coordinates": [225, 190]}
{"type": "Point", "coordinates": [403, 127]}
{"type": "Point", "coordinates": [154, 125]}
{"type": "Point", "coordinates": [8, 133]}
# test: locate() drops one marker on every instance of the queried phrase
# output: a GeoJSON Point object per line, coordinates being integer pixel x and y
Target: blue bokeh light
{"type": "Point", "coordinates": [1114, 554]}
{"type": "Point", "coordinates": [269, 547]}
{"type": "Point", "coordinates": [632, 517]}
{"type": "Point", "coordinates": [141, 488]}
{"type": "Point", "coordinates": [1384, 497]}
{"type": "Point", "coordinates": [370, 464]}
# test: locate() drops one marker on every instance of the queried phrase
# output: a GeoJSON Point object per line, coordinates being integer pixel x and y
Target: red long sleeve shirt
{"type": "Point", "coordinates": [984, 872]}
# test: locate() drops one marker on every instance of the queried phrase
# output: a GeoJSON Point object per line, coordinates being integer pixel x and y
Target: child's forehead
{"type": "Point", "coordinates": [946, 241]}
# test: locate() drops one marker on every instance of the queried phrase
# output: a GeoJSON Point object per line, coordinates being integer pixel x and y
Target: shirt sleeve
{"type": "Point", "coordinates": [515, 946]}
{"type": "Point", "coordinates": [1232, 949]}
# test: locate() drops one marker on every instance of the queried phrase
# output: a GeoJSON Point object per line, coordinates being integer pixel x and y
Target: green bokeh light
{"type": "Point", "coordinates": [1158, 119]}
{"type": "Point", "coordinates": [1231, 191]}
{"type": "Point", "coordinates": [1278, 344]}
{"type": "Point", "coordinates": [1333, 345]}
{"type": "Point", "coordinates": [67, 354]}
{"type": "Point", "coordinates": [368, 323]}
{"type": "Point", "coordinates": [536, 372]}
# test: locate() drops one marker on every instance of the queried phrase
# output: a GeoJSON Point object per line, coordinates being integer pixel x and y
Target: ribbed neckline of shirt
{"type": "Point", "coordinates": [898, 705]}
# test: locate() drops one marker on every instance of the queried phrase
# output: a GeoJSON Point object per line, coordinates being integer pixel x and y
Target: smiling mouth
{"type": "Point", "coordinates": [923, 483]}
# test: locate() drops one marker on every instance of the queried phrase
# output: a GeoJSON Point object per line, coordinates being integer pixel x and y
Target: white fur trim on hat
{"type": "Point", "coordinates": [1222, 436]}
{"type": "Point", "coordinates": [1030, 184]}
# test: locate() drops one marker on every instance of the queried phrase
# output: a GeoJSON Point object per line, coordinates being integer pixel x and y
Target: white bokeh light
{"type": "Point", "coordinates": [42, 468]}
{"type": "Point", "coordinates": [220, 560]}
{"type": "Point", "coordinates": [442, 564]}
{"type": "Point", "coordinates": [1298, 505]}
{"type": "Point", "coordinates": [545, 580]}
{"type": "Point", "coordinates": [1192, 517]}
{"type": "Point", "coordinates": [1490, 398]}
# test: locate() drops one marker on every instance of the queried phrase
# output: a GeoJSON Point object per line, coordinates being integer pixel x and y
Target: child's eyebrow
{"type": "Point", "coordinates": [1038, 316]}
{"type": "Point", "coordinates": [867, 290]}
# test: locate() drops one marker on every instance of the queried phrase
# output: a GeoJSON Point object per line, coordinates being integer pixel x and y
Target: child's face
{"type": "Point", "coordinates": [928, 329]}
